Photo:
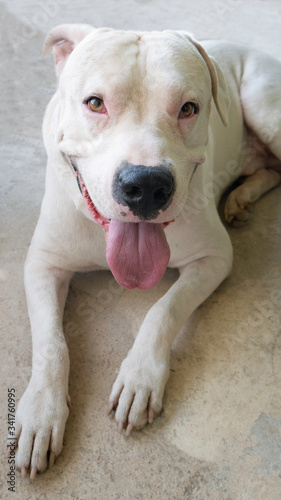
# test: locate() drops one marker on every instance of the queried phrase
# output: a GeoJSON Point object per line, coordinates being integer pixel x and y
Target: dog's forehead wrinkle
{"type": "Point", "coordinates": [175, 72]}
{"type": "Point", "coordinates": [150, 76]}
{"type": "Point", "coordinates": [115, 75]}
{"type": "Point", "coordinates": [116, 46]}
{"type": "Point", "coordinates": [101, 49]}
{"type": "Point", "coordinates": [173, 51]}
{"type": "Point", "coordinates": [110, 56]}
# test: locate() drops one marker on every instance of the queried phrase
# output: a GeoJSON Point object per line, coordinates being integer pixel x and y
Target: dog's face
{"type": "Point", "coordinates": [133, 120]}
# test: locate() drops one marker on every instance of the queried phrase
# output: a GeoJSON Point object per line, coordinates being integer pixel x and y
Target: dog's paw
{"type": "Point", "coordinates": [137, 393]}
{"type": "Point", "coordinates": [40, 423]}
{"type": "Point", "coordinates": [238, 208]}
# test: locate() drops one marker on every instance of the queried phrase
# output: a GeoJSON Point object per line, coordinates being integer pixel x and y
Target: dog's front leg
{"type": "Point", "coordinates": [138, 391]}
{"type": "Point", "coordinates": [43, 409]}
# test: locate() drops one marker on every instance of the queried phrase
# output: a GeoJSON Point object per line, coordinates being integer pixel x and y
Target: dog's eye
{"type": "Point", "coordinates": [96, 104]}
{"type": "Point", "coordinates": [189, 109]}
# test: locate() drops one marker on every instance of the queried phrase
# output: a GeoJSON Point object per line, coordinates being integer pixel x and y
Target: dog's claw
{"type": "Point", "coordinates": [129, 429]}
{"type": "Point", "coordinates": [33, 472]}
{"type": "Point", "coordinates": [151, 414]}
{"type": "Point", "coordinates": [110, 409]}
{"type": "Point", "coordinates": [52, 459]}
{"type": "Point", "coordinates": [23, 472]}
{"type": "Point", "coordinates": [120, 427]}
{"type": "Point", "coordinates": [68, 402]}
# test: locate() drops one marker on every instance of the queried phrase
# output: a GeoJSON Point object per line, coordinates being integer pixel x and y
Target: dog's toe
{"type": "Point", "coordinates": [32, 451]}
{"type": "Point", "coordinates": [237, 209]}
{"type": "Point", "coordinates": [137, 393]}
{"type": "Point", "coordinates": [24, 451]}
{"type": "Point", "coordinates": [40, 420]}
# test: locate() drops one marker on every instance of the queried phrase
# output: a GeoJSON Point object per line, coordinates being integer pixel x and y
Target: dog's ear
{"type": "Point", "coordinates": [219, 90]}
{"type": "Point", "coordinates": [62, 40]}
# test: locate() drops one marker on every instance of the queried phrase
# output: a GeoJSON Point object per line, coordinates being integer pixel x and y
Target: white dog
{"type": "Point", "coordinates": [144, 134]}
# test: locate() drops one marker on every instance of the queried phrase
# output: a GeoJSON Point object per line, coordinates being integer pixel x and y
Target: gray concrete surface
{"type": "Point", "coordinates": [219, 436]}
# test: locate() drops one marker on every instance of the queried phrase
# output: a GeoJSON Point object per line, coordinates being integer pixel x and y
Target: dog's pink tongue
{"type": "Point", "coordinates": [137, 253]}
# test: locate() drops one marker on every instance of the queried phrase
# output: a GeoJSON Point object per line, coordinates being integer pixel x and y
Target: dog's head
{"type": "Point", "coordinates": [132, 124]}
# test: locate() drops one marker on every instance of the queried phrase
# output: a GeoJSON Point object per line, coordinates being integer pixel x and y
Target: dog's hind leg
{"type": "Point", "coordinates": [260, 94]}
{"type": "Point", "coordinates": [239, 203]}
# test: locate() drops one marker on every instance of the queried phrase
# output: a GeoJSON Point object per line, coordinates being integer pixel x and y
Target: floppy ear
{"type": "Point", "coordinates": [219, 90]}
{"type": "Point", "coordinates": [62, 40]}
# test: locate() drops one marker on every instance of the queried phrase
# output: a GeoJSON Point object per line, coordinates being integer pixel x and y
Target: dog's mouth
{"type": "Point", "coordinates": [97, 216]}
{"type": "Point", "coordinates": [137, 252]}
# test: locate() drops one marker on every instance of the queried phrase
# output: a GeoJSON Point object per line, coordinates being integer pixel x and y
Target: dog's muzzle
{"type": "Point", "coordinates": [137, 252]}
{"type": "Point", "coordinates": [145, 190]}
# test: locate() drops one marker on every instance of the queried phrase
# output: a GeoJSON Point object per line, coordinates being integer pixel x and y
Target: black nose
{"type": "Point", "coordinates": [145, 190]}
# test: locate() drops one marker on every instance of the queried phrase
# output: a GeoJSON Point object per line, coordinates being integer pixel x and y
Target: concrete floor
{"type": "Point", "coordinates": [219, 435]}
